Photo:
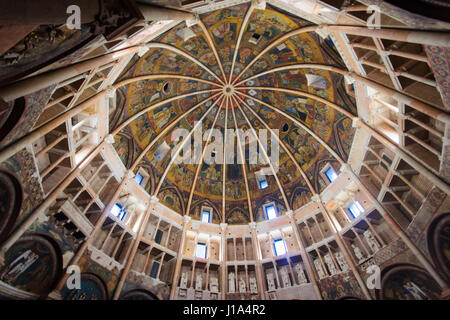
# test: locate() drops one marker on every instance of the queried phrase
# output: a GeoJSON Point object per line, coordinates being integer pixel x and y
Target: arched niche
{"type": "Point", "coordinates": [138, 294]}
{"type": "Point", "coordinates": [11, 118]}
{"type": "Point", "coordinates": [11, 196]}
{"type": "Point", "coordinates": [196, 210]}
{"type": "Point", "coordinates": [407, 282]}
{"type": "Point", "coordinates": [438, 242]}
{"type": "Point", "coordinates": [92, 287]}
{"type": "Point", "coordinates": [349, 298]}
{"type": "Point", "coordinates": [33, 264]}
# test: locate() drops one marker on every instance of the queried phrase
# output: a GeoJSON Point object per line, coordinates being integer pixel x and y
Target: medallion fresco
{"type": "Point", "coordinates": [32, 264]}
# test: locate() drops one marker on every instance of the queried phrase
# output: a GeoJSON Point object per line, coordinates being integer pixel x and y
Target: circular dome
{"type": "Point", "coordinates": [224, 73]}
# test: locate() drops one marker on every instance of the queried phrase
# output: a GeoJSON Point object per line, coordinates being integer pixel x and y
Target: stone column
{"type": "Point", "coordinates": [42, 208]}
{"type": "Point", "coordinates": [397, 229]}
{"type": "Point", "coordinates": [342, 247]}
{"type": "Point", "coordinates": [152, 206]}
{"type": "Point", "coordinates": [176, 273]}
{"type": "Point", "coordinates": [98, 226]}
{"type": "Point", "coordinates": [304, 255]}
{"type": "Point", "coordinates": [258, 267]}
{"type": "Point", "coordinates": [223, 263]}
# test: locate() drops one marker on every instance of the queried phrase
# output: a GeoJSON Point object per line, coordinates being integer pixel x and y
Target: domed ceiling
{"type": "Point", "coordinates": [230, 102]}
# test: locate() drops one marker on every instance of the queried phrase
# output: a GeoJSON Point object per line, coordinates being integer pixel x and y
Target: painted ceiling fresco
{"type": "Point", "coordinates": [263, 27]}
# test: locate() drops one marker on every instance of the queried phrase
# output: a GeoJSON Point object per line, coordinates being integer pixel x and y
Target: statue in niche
{"type": "Point", "coordinates": [231, 283]}
{"type": "Point", "coordinates": [19, 266]}
{"type": "Point", "coordinates": [319, 269]}
{"type": "Point", "coordinates": [214, 284]}
{"type": "Point", "coordinates": [341, 261]}
{"type": "Point", "coordinates": [183, 281]}
{"type": "Point", "coordinates": [271, 282]}
{"type": "Point", "coordinates": [198, 282]}
{"type": "Point", "coordinates": [358, 253]}
{"type": "Point", "coordinates": [330, 264]}
{"type": "Point", "coordinates": [253, 285]}
{"type": "Point", "coordinates": [242, 285]}
{"type": "Point", "coordinates": [371, 241]}
{"type": "Point", "coordinates": [300, 274]}
{"type": "Point", "coordinates": [285, 278]}
{"type": "Point", "coordinates": [414, 290]}
{"type": "Point", "coordinates": [129, 216]}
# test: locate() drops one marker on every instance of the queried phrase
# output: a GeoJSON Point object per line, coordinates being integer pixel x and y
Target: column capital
{"type": "Point", "coordinates": [154, 200]}
{"type": "Point", "coordinates": [259, 4]}
{"type": "Point", "coordinates": [193, 20]}
{"type": "Point", "coordinates": [290, 213]}
{"type": "Point", "coordinates": [252, 225]}
{"type": "Point", "coordinates": [109, 139]}
{"type": "Point", "coordinates": [339, 203]}
{"type": "Point", "coordinates": [445, 141]}
{"type": "Point", "coordinates": [316, 198]}
{"type": "Point", "coordinates": [223, 226]}
{"type": "Point", "coordinates": [187, 219]}
{"type": "Point", "coordinates": [142, 50]}
{"type": "Point", "coordinates": [349, 77]}
{"type": "Point", "coordinates": [345, 168]}
{"type": "Point", "coordinates": [356, 122]}
{"type": "Point", "coordinates": [322, 31]}
{"type": "Point", "coordinates": [130, 174]}
{"type": "Point", "coordinates": [110, 91]}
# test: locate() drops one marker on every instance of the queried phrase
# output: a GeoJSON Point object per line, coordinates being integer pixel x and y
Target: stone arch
{"type": "Point", "coordinates": [407, 282]}
{"type": "Point", "coordinates": [33, 264]}
{"type": "Point", "coordinates": [92, 287]}
{"type": "Point", "coordinates": [208, 203]}
{"type": "Point", "coordinates": [318, 166]}
{"type": "Point", "coordinates": [259, 204]}
{"type": "Point", "coordinates": [348, 298]}
{"type": "Point", "coordinates": [438, 242]}
{"type": "Point", "coordinates": [139, 294]}
{"type": "Point", "coordinates": [11, 197]}
{"type": "Point", "coordinates": [241, 212]}
{"type": "Point", "coordinates": [11, 117]}
{"type": "Point", "coordinates": [178, 195]}
{"type": "Point", "coordinates": [125, 148]}
{"type": "Point", "coordinates": [339, 127]}
{"type": "Point", "coordinates": [294, 195]}
{"type": "Point", "coordinates": [151, 184]}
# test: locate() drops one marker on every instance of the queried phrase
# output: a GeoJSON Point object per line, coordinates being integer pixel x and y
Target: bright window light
{"type": "Point", "coordinates": [206, 216]}
{"type": "Point", "coordinates": [280, 247]}
{"type": "Point", "coordinates": [355, 209]}
{"type": "Point", "coordinates": [200, 251]}
{"type": "Point", "coordinates": [263, 184]}
{"type": "Point", "coordinates": [154, 271]}
{"type": "Point", "coordinates": [331, 174]}
{"type": "Point", "coordinates": [118, 211]}
{"type": "Point", "coordinates": [271, 213]}
{"type": "Point", "coordinates": [138, 178]}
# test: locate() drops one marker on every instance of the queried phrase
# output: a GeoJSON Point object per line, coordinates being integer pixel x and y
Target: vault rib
{"type": "Point", "coordinates": [184, 54]}
{"type": "Point", "coordinates": [176, 154]}
{"type": "Point", "coordinates": [263, 149]}
{"type": "Point", "coordinates": [238, 42]}
{"type": "Point", "coordinates": [199, 166]}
